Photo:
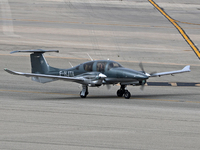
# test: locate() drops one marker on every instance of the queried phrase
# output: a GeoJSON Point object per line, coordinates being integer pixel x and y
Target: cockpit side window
{"type": "Point", "coordinates": [88, 66]}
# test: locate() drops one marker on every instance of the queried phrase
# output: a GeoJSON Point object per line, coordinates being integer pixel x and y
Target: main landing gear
{"type": "Point", "coordinates": [84, 92]}
{"type": "Point", "coordinates": [123, 91]}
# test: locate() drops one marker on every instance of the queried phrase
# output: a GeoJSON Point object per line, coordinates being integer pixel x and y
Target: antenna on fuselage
{"type": "Point", "coordinates": [89, 57]}
{"type": "Point", "coordinates": [71, 65]}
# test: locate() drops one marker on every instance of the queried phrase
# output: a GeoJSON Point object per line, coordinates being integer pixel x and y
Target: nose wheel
{"type": "Point", "coordinates": [123, 91]}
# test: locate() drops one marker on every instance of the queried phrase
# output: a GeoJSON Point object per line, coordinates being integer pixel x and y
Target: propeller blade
{"type": "Point", "coordinates": [108, 86]}
{"type": "Point", "coordinates": [141, 67]}
{"type": "Point", "coordinates": [153, 73]}
{"type": "Point", "coordinates": [142, 85]}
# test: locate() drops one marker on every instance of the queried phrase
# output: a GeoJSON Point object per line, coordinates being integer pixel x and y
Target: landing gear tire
{"type": "Point", "coordinates": [123, 91]}
{"type": "Point", "coordinates": [83, 96]}
{"type": "Point", "coordinates": [120, 93]}
{"type": "Point", "coordinates": [127, 94]}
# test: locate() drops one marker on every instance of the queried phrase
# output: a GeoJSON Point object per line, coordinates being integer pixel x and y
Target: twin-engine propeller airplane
{"type": "Point", "coordinates": [91, 73]}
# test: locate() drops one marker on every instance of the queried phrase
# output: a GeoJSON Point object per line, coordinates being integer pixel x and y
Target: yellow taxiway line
{"type": "Point", "coordinates": [181, 31]}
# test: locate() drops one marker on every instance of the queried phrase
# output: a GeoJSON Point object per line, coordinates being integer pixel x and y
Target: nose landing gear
{"type": "Point", "coordinates": [123, 91]}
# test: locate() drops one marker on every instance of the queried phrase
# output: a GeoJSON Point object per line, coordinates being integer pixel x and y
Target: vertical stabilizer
{"type": "Point", "coordinates": [39, 64]}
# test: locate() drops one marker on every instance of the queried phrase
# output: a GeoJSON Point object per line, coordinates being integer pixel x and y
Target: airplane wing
{"type": "Point", "coordinates": [185, 69]}
{"type": "Point", "coordinates": [85, 78]}
{"type": "Point", "coordinates": [52, 77]}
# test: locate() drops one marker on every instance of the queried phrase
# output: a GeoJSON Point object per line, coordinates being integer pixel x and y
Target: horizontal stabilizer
{"type": "Point", "coordinates": [34, 51]}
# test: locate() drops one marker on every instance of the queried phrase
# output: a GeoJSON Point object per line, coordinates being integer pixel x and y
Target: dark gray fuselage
{"type": "Point", "coordinates": [114, 71]}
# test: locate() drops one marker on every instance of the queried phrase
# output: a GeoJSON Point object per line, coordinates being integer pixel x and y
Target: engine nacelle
{"type": "Point", "coordinates": [134, 83]}
{"type": "Point", "coordinates": [94, 79]}
{"type": "Point", "coordinates": [95, 83]}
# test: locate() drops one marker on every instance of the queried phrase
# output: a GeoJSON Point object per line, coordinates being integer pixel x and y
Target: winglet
{"type": "Point", "coordinates": [186, 68]}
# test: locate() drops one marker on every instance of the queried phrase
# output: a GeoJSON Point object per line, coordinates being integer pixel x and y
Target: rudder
{"type": "Point", "coordinates": [38, 63]}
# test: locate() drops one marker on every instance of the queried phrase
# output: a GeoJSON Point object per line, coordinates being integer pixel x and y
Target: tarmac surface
{"type": "Point", "coordinates": [53, 116]}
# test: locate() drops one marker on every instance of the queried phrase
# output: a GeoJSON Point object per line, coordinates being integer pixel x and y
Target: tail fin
{"type": "Point", "coordinates": [39, 64]}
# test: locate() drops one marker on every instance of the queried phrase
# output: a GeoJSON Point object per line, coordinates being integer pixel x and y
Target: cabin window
{"type": "Point", "coordinates": [88, 66]}
{"type": "Point", "coordinates": [101, 66]}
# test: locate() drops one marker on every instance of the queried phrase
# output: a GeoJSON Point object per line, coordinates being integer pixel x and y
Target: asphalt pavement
{"type": "Point", "coordinates": [53, 116]}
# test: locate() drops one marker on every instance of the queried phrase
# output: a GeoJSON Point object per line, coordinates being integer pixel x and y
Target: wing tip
{"type": "Point", "coordinates": [186, 68]}
{"type": "Point", "coordinates": [5, 69]}
{"type": "Point", "coordinates": [9, 71]}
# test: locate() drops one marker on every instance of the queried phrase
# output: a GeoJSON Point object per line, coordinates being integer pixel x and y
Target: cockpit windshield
{"type": "Point", "coordinates": [114, 65]}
